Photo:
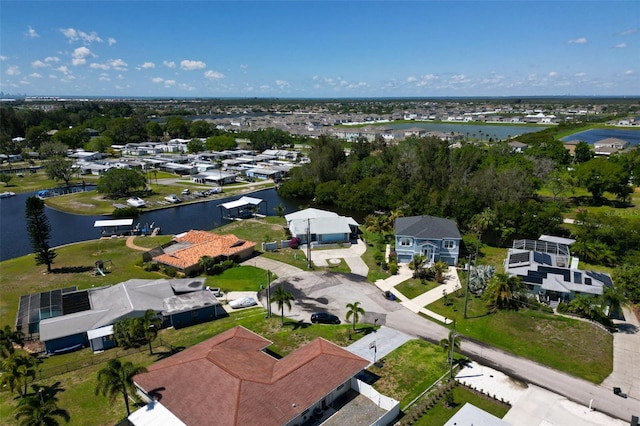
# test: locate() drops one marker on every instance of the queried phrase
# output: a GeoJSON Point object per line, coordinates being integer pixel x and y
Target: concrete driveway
{"type": "Point", "coordinates": [626, 356]}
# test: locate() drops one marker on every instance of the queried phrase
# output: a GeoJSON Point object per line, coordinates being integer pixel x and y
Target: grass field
{"type": "Point", "coordinates": [413, 288]}
{"type": "Point", "coordinates": [568, 345]}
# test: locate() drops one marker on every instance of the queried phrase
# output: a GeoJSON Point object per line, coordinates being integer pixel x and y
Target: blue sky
{"type": "Point", "coordinates": [320, 49]}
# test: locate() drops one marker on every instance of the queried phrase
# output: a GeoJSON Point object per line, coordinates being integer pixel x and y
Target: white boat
{"type": "Point", "coordinates": [7, 194]}
{"type": "Point", "coordinates": [136, 202]}
{"type": "Point", "coordinates": [173, 198]}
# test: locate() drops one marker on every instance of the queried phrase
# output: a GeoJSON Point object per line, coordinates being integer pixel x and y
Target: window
{"type": "Point", "coordinates": [406, 242]}
{"type": "Point", "coordinates": [449, 244]}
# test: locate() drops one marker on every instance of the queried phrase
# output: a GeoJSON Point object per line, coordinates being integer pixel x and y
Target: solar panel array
{"type": "Point", "coordinates": [35, 307]}
{"type": "Point", "coordinates": [75, 302]}
{"type": "Point", "coordinates": [518, 258]}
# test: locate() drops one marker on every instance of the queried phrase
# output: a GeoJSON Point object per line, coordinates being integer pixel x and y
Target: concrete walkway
{"type": "Point", "coordinates": [626, 356]}
{"type": "Point", "coordinates": [417, 304]}
{"type": "Point", "coordinates": [351, 255]}
{"type": "Point", "coordinates": [278, 268]}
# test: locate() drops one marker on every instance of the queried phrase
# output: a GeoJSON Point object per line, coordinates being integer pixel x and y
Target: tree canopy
{"type": "Point", "coordinates": [117, 183]}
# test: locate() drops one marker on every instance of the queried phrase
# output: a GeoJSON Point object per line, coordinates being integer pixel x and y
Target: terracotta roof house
{"type": "Point", "coordinates": [188, 248]}
{"type": "Point", "coordinates": [230, 379]}
{"type": "Point", "coordinates": [434, 237]}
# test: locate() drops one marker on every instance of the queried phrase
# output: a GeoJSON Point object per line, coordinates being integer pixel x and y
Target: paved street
{"type": "Point", "coordinates": [326, 291]}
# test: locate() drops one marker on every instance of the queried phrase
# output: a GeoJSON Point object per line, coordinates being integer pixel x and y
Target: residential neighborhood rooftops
{"type": "Point", "coordinates": [427, 227]}
{"type": "Point", "coordinates": [233, 370]}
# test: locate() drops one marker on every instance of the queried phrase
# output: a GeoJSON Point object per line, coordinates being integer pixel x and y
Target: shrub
{"type": "Point", "coordinates": [563, 308]}
{"type": "Point", "coordinates": [126, 212]}
{"type": "Point", "coordinates": [171, 272]}
{"type": "Point", "coordinates": [295, 242]}
{"type": "Point", "coordinates": [393, 268]}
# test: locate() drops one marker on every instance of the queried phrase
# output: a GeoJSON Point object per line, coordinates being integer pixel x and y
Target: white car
{"type": "Point", "coordinates": [136, 202]}
{"type": "Point", "coordinates": [186, 191]}
{"type": "Point", "coordinates": [173, 198]}
{"type": "Point", "coordinates": [243, 302]}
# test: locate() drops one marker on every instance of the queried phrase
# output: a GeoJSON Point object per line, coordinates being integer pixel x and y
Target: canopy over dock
{"type": "Point", "coordinates": [241, 208]}
{"type": "Point", "coordinates": [115, 226]}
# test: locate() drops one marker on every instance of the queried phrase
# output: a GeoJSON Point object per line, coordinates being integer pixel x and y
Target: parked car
{"type": "Point", "coordinates": [324, 318]}
{"type": "Point", "coordinates": [173, 198]}
{"type": "Point", "coordinates": [198, 194]}
{"type": "Point", "coordinates": [243, 302]}
{"type": "Point", "coordinates": [186, 191]}
{"type": "Point", "coordinates": [214, 190]}
{"type": "Point", "coordinates": [215, 291]}
{"type": "Point", "coordinates": [619, 392]}
{"type": "Point", "coordinates": [136, 202]}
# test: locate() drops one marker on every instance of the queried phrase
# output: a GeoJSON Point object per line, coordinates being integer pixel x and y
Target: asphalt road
{"type": "Point", "coordinates": [323, 291]}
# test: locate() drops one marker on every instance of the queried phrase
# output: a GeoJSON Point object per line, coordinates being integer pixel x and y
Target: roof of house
{"type": "Point", "coordinates": [310, 213]}
{"type": "Point", "coordinates": [426, 227]}
{"type": "Point", "coordinates": [322, 226]}
{"type": "Point", "coordinates": [188, 302]}
{"type": "Point", "coordinates": [551, 272]}
{"type": "Point", "coordinates": [108, 305]}
{"type": "Point", "coordinates": [245, 382]}
{"type": "Point", "coordinates": [195, 244]}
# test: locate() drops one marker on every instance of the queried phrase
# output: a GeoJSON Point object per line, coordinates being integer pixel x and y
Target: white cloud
{"type": "Point", "coordinates": [169, 83]}
{"type": "Point", "coordinates": [553, 74]}
{"type": "Point", "coordinates": [76, 35]}
{"type": "Point", "coordinates": [189, 65]}
{"type": "Point", "coordinates": [148, 65]}
{"type": "Point", "coordinates": [629, 31]}
{"type": "Point", "coordinates": [580, 74]}
{"type": "Point", "coordinates": [63, 69]}
{"type": "Point", "coordinates": [3, 58]}
{"type": "Point", "coordinates": [187, 87]}
{"type": "Point", "coordinates": [118, 64]}
{"type": "Point", "coordinates": [244, 66]}
{"type": "Point", "coordinates": [39, 64]}
{"type": "Point", "coordinates": [411, 79]}
{"type": "Point", "coordinates": [80, 55]}
{"type": "Point", "coordinates": [581, 40]}
{"type": "Point", "coordinates": [628, 72]}
{"type": "Point", "coordinates": [459, 78]}
{"type": "Point", "coordinates": [111, 41]}
{"type": "Point", "coordinates": [13, 70]}
{"type": "Point", "coordinates": [213, 75]}
{"type": "Point", "coordinates": [31, 33]}
{"type": "Point", "coordinates": [104, 78]}
{"type": "Point", "coordinates": [621, 45]}
{"type": "Point", "coordinates": [53, 76]}
{"type": "Point", "coordinates": [169, 64]}
{"type": "Point", "coordinates": [35, 75]}
{"type": "Point", "coordinates": [52, 59]}
{"type": "Point", "coordinates": [282, 83]}
{"type": "Point", "coordinates": [97, 66]}
{"type": "Point", "coordinates": [157, 79]}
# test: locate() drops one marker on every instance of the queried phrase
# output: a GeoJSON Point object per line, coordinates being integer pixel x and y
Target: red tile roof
{"type": "Point", "coordinates": [229, 379]}
{"type": "Point", "coordinates": [203, 243]}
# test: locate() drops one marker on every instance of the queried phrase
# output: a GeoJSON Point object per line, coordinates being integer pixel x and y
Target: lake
{"type": "Point", "coordinates": [594, 135]}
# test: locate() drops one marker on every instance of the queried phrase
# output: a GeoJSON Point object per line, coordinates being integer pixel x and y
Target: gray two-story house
{"type": "Point", "coordinates": [434, 237]}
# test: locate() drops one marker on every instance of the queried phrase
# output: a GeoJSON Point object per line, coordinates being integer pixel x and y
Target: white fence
{"type": "Point", "coordinates": [386, 403]}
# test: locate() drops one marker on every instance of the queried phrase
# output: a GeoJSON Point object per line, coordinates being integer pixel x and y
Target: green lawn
{"type": "Point", "coordinates": [409, 370]}
{"type": "Point", "coordinates": [413, 288]}
{"type": "Point", "coordinates": [240, 278]}
{"type": "Point", "coordinates": [440, 414]}
{"type": "Point", "coordinates": [568, 345]}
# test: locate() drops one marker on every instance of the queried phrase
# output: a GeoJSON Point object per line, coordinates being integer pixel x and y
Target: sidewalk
{"type": "Point", "coordinates": [451, 284]}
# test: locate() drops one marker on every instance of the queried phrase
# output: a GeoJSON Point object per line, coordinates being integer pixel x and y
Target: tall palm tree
{"type": "Point", "coordinates": [354, 310]}
{"type": "Point", "coordinates": [282, 297]}
{"type": "Point", "coordinates": [438, 270]}
{"type": "Point", "coordinates": [7, 338]}
{"type": "Point", "coordinates": [417, 264]}
{"type": "Point", "coordinates": [17, 371]}
{"type": "Point", "coordinates": [117, 378]}
{"type": "Point", "coordinates": [41, 408]}
{"type": "Point", "coordinates": [151, 324]}
{"type": "Point", "coordinates": [502, 292]}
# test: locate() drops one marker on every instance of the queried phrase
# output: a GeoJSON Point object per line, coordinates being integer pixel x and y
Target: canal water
{"type": "Point", "coordinates": [70, 228]}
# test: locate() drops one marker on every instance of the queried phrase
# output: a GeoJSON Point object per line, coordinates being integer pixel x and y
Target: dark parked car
{"type": "Point", "coordinates": [324, 318]}
{"type": "Point", "coordinates": [619, 392]}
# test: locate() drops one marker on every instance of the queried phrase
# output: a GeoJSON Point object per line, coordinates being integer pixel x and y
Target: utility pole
{"type": "Point", "coordinates": [466, 293]}
{"type": "Point", "coordinates": [308, 243]}
{"type": "Point", "coordinates": [452, 342]}
{"type": "Point", "coordinates": [268, 293]}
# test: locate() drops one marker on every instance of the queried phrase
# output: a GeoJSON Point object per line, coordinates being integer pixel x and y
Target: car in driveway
{"type": "Point", "coordinates": [243, 302]}
{"type": "Point", "coordinates": [324, 318]}
{"type": "Point", "coordinates": [215, 291]}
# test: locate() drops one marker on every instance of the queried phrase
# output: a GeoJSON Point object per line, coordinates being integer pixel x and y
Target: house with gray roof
{"type": "Point", "coordinates": [436, 238]}
{"type": "Point", "coordinates": [548, 271]}
{"type": "Point", "coordinates": [321, 227]}
{"type": "Point", "coordinates": [180, 302]}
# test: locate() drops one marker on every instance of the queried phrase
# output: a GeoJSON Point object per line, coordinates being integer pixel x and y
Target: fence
{"type": "Point", "coordinates": [95, 359]}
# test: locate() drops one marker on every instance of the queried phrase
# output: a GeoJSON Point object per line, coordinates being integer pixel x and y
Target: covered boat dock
{"type": "Point", "coordinates": [114, 227]}
{"type": "Point", "coordinates": [242, 208]}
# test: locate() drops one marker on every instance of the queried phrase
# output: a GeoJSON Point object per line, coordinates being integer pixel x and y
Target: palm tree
{"type": "Point", "coordinates": [117, 378]}
{"type": "Point", "coordinates": [7, 338]}
{"type": "Point", "coordinates": [438, 270]}
{"type": "Point", "coordinates": [480, 223]}
{"type": "Point", "coordinates": [354, 310]}
{"type": "Point", "coordinates": [282, 297]}
{"type": "Point", "coordinates": [17, 371]}
{"type": "Point", "coordinates": [151, 324]}
{"type": "Point", "coordinates": [417, 264]}
{"type": "Point", "coordinates": [41, 408]}
{"type": "Point", "coordinates": [206, 263]}
{"type": "Point", "coordinates": [450, 345]}
{"type": "Point", "coordinates": [502, 292]}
